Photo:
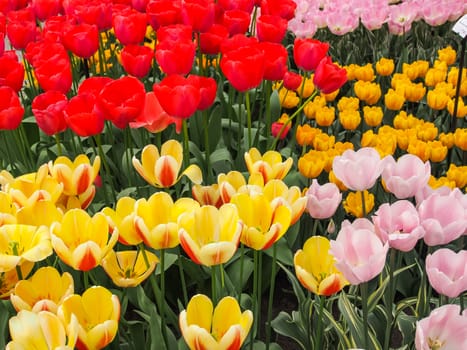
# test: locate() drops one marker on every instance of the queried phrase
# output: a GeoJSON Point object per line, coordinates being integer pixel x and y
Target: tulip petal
{"type": "Point", "coordinates": [199, 312]}
{"type": "Point", "coordinates": [166, 171]}
{"type": "Point", "coordinates": [193, 172]}
{"type": "Point", "coordinates": [226, 314]}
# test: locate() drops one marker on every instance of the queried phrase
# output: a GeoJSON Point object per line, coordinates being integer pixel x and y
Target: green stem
{"type": "Point", "coordinates": [256, 276]}
{"type": "Point", "coordinates": [248, 114]}
{"type": "Point", "coordinates": [182, 277]}
{"type": "Point", "coordinates": [86, 280]}
{"type": "Point", "coordinates": [128, 155]}
{"type": "Point", "coordinates": [363, 204]}
{"type": "Point", "coordinates": [162, 306]}
{"type": "Point", "coordinates": [271, 295]}
{"type": "Point", "coordinates": [240, 283]}
{"type": "Point", "coordinates": [59, 144]}
{"type": "Point", "coordinates": [186, 149]}
{"type": "Point", "coordinates": [207, 150]}
{"type": "Point", "coordinates": [389, 315]}
{"type": "Point", "coordinates": [18, 268]}
{"type": "Point", "coordinates": [108, 176]}
{"type": "Point", "coordinates": [319, 332]}
{"type": "Point", "coordinates": [213, 285]}
{"type": "Point", "coordinates": [364, 293]}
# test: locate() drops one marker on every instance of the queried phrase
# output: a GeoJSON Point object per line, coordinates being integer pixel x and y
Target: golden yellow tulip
{"type": "Point", "coordinates": [210, 236]}
{"type": "Point", "coordinates": [156, 219]}
{"type": "Point", "coordinates": [224, 327]}
{"type": "Point", "coordinates": [81, 241]}
{"type": "Point", "coordinates": [306, 88]}
{"type": "Point", "coordinates": [311, 107]}
{"type": "Point", "coordinates": [331, 96]}
{"type": "Point", "coordinates": [9, 278]}
{"type": "Point", "coordinates": [162, 169]}
{"type": "Point", "coordinates": [447, 88]}
{"type": "Point", "coordinates": [438, 152]}
{"type": "Point", "coordinates": [349, 103]}
{"type": "Point", "coordinates": [43, 291]}
{"type": "Point", "coordinates": [353, 203]}
{"type": "Point", "coordinates": [414, 92]}
{"type": "Point", "coordinates": [269, 165]}
{"type": "Point", "coordinates": [325, 116]}
{"type": "Point", "coordinates": [447, 54]}
{"type": "Point", "coordinates": [129, 268]}
{"type": "Point", "coordinates": [461, 108]}
{"type": "Point", "coordinates": [306, 134]}
{"type": "Point", "coordinates": [350, 70]}
{"type": "Point", "coordinates": [39, 213]}
{"type": "Point", "coordinates": [314, 267]}
{"type": "Point", "coordinates": [435, 183]}
{"type": "Point", "coordinates": [420, 149]}
{"type": "Point", "coordinates": [427, 131]}
{"type": "Point", "coordinates": [288, 98]}
{"type": "Point", "coordinates": [19, 243]}
{"type": "Point", "coordinates": [410, 70]}
{"type": "Point", "coordinates": [311, 164]}
{"type": "Point", "coordinates": [41, 331]}
{"type": "Point", "coordinates": [335, 180]}
{"type": "Point", "coordinates": [367, 91]}
{"type": "Point", "coordinates": [385, 66]}
{"type": "Point", "coordinates": [122, 219]}
{"type": "Point", "coordinates": [393, 100]}
{"type": "Point", "coordinates": [435, 76]}
{"type": "Point", "coordinates": [229, 184]}
{"type": "Point", "coordinates": [458, 174]}
{"type": "Point", "coordinates": [97, 311]}
{"type": "Point", "coordinates": [365, 73]}
{"type": "Point", "coordinates": [436, 99]}
{"type": "Point", "coordinates": [460, 138]}
{"type": "Point", "coordinates": [323, 142]}
{"type": "Point", "coordinates": [263, 222]}
{"type": "Point", "coordinates": [373, 116]}
{"type": "Point", "coordinates": [349, 119]}
{"type": "Point", "coordinates": [447, 139]}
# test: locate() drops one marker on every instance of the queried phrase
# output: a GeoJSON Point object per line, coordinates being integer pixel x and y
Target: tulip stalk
{"type": "Point", "coordinates": [271, 295]}
{"type": "Point", "coordinates": [319, 332]}
{"type": "Point", "coordinates": [182, 277]}
{"type": "Point", "coordinates": [162, 305]}
{"type": "Point", "coordinates": [364, 294]}
{"type": "Point", "coordinates": [392, 285]}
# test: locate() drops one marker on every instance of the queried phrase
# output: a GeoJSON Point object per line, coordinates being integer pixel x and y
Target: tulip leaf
{"type": "Point", "coordinates": [220, 155]}
{"type": "Point", "coordinates": [406, 325]}
{"type": "Point", "coordinates": [297, 287]}
{"type": "Point", "coordinates": [291, 327]}
{"type": "Point", "coordinates": [4, 317]}
{"type": "Point", "coordinates": [234, 272]}
{"type": "Point", "coordinates": [170, 259]}
{"type": "Point", "coordinates": [275, 105]}
{"type": "Point", "coordinates": [214, 127]}
{"type": "Point", "coordinates": [338, 328]}
{"type": "Point", "coordinates": [283, 251]}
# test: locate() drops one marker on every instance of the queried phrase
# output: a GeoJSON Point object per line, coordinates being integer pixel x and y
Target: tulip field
{"type": "Point", "coordinates": [233, 174]}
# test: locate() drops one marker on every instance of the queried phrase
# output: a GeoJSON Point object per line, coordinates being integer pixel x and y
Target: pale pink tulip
{"type": "Point", "coordinates": [447, 271]}
{"type": "Point", "coordinates": [445, 328]}
{"type": "Point", "coordinates": [341, 22]}
{"type": "Point", "coordinates": [322, 201]}
{"type": "Point", "coordinates": [374, 16]}
{"type": "Point", "coordinates": [426, 191]}
{"type": "Point", "coordinates": [406, 176]}
{"type": "Point", "coordinates": [358, 170]}
{"type": "Point", "coordinates": [435, 13]}
{"type": "Point", "coordinates": [443, 217]}
{"type": "Point", "coordinates": [401, 17]}
{"type": "Point", "coordinates": [398, 224]}
{"type": "Point", "coordinates": [359, 254]}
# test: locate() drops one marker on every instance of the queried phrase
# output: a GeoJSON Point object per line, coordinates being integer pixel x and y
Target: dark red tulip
{"type": "Point", "coordinates": [308, 53]}
{"type": "Point", "coordinates": [11, 71]}
{"type": "Point", "coordinates": [121, 101]}
{"type": "Point", "coordinates": [139, 5]}
{"type": "Point", "coordinates": [236, 21]}
{"type": "Point", "coordinates": [129, 26]}
{"type": "Point", "coordinates": [178, 96]}
{"type": "Point", "coordinates": [275, 63]}
{"type": "Point", "coordinates": [175, 32]}
{"type": "Point", "coordinates": [175, 57]}
{"type": "Point", "coordinates": [136, 60]}
{"type": "Point", "coordinates": [329, 76]}
{"type": "Point", "coordinates": [292, 80]}
{"type": "Point", "coordinates": [199, 14]}
{"type": "Point", "coordinates": [164, 12]}
{"type": "Point", "coordinates": [11, 111]}
{"type": "Point", "coordinates": [244, 5]}
{"type": "Point", "coordinates": [44, 9]}
{"type": "Point", "coordinates": [207, 89]}
{"type": "Point", "coordinates": [243, 67]}
{"type": "Point", "coordinates": [81, 117]}
{"type": "Point", "coordinates": [48, 109]}
{"type": "Point", "coordinates": [271, 28]}
{"type": "Point", "coordinates": [282, 8]}
{"type": "Point", "coordinates": [81, 39]}
{"type": "Point", "coordinates": [210, 41]}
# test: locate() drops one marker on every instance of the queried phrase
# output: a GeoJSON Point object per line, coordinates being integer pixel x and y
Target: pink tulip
{"type": "Point", "coordinates": [358, 170]}
{"type": "Point", "coordinates": [447, 271]}
{"type": "Point", "coordinates": [359, 254]}
{"type": "Point", "coordinates": [436, 13]}
{"type": "Point", "coordinates": [322, 201]}
{"type": "Point", "coordinates": [341, 22]}
{"type": "Point", "coordinates": [443, 217]}
{"type": "Point", "coordinates": [444, 328]}
{"type": "Point", "coordinates": [401, 17]}
{"type": "Point", "coordinates": [374, 16]}
{"type": "Point", "coordinates": [398, 224]}
{"type": "Point", "coordinates": [406, 176]}
{"type": "Point", "coordinates": [426, 191]}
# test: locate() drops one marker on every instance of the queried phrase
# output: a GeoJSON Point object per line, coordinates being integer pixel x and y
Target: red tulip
{"type": "Point", "coordinates": [54, 74]}
{"type": "Point", "coordinates": [292, 80]}
{"type": "Point", "coordinates": [2, 43]}
{"type": "Point", "coordinates": [237, 41]}
{"type": "Point", "coordinates": [11, 71]}
{"type": "Point", "coordinates": [243, 67]}
{"type": "Point", "coordinates": [92, 12]}
{"type": "Point", "coordinates": [93, 85]}
{"type": "Point", "coordinates": [44, 9]}
{"type": "Point", "coordinates": [53, 28]}
{"type": "Point", "coordinates": [207, 89]}
{"type": "Point", "coordinates": [175, 57]}
{"type": "Point", "coordinates": [308, 53]}
{"type": "Point", "coordinates": [81, 117]}
{"type": "Point", "coordinates": [139, 5]}
{"type": "Point", "coordinates": [48, 109]}
{"type": "Point", "coordinates": [210, 41]}
{"type": "Point", "coordinates": [328, 76]}
{"type": "Point", "coordinates": [81, 39]}
{"type": "Point", "coordinates": [275, 60]}
{"type": "Point", "coordinates": [21, 32]}
{"type": "Point", "coordinates": [282, 8]}
{"type": "Point", "coordinates": [11, 111]}
{"type": "Point", "coordinates": [175, 32]}
{"type": "Point", "coordinates": [129, 26]}
{"type": "Point", "coordinates": [236, 21]}
{"type": "Point", "coordinates": [244, 5]}
{"type": "Point", "coordinates": [199, 14]}
{"type": "Point", "coordinates": [164, 12]}
{"type": "Point", "coordinates": [136, 60]}
{"type": "Point", "coordinates": [276, 128]}
{"type": "Point", "coordinates": [178, 96]}
{"type": "Point", "coordinates": [271, 28]}
{"type": "Point", "coordinates": [121, 100]}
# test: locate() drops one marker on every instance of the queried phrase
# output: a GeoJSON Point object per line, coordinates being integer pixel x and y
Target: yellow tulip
{"type": "Point", "coordinates": [435, 183]}
{"type": "Point", "coordinates": [367, 91]}
{"type": "Point", "coordinates": [350, 70]}
{"type": "Point", "coordinates": [420, 149]}
{"type": "Point", "coordinates": [43, 212]}
{"type": "Point", "coordinates": [263, 222]}
{"type": "Point", "coordinates": [461, 108]}
{"type": "Point", "coordinates": [210, 236]}
{"type": "Point", "coordinates": [43, 291]}
{"type": "Point", "coordinates": [269, 165]}
{"type": "Point", "coordinates": [427, 131]}
{"type": "Point", "coordinates": [324, 142]}
{"type": "Point", "coordinates": [458, 174]}
{"type": "Point", "coordinates": [311, 107]}
{"type": "Point", "coordinates": [369, 139]}
{"type": "Point", "coordinates": [436, 99]}
{"type": "Point", "coordinates": [314, 267]}
{"type": "Point", "coordinates": [162, 170]}
{"type": "Point", "coordinates": [224, 327]}
{"type": "Point", "coordinates": [414, 92]}
{"type": "Point", "coordinates": [331, 96]}
{"type": "Point", "coordinates": [306, 134]}
{"type": "Point", "coordinates": [393, 100]}
{"type": "Point", "coordinates": [122, 219]}
{"type": "Point", "coordinates": [288, 98]}
{"type": "Point", "coordinates": [229, 184]}
{"type": "Point", "coordinates": [7, 209]}
{"type": "Point", "coordinates": [460, 138]}
{"type": "Point", "coordinates": [438, 152]}
{"type": "Point", "coordinates": [325, 116]}
{"type": "Point", "coordinates": [447, 54]}
{"type": "Point", "coordinates": [373, 116]}
{"type": "Point", "coordinates": [365, 73]}
{"type": "Point", "coordinates": [97, 312]}
{"type": "Point", "coordinates": [348, 103]}
{"type": "Point", "coordinates": [353, 203]}
{"type": "Point", "coordinates": [447, 139]}
{"type": "Point", "coordinates": [350, 120]}
{"type": "Point", "coordinates": [306, 88]}
{"type": "Point", "coordinates": [82, 241]}
{"type": "Point", "coordinates": [385, 66]}
{"type": "Point", "coordinates": [129, 268]}
{"type": "Point", "coordinates": [435, 76]}
{"type": "Point", "coordinates": [447, 88]}
{"type": "Point", "coordinates": [311, 164]}
{"type": "Point", "coordinates": [156, 219]}
{"type": "Point", "coordinates": [335, 180]}
{"type": "Point", "coordinates": [19, 243]}
{"type": "Point", "coordinates": [41, 331]}
{"type": "Point", "coordinates": [207, 195]}
{"type": "Point", "coordinates": [9, 279]}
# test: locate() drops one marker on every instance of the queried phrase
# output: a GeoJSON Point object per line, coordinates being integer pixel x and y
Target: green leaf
{"type": "Point", "coordinates": [297, 287]}
{"type": "Point", "coordinates": [338, 328]}
{"type": "Point", "coordinates": [4, 317]}
{"type": "Point", "coordinates": [275, 105]}
{"type": "Point", "coordinates": [214, 127]}
{"type": "Point", "coordinates": [233, 271]}
{"type": "Point", "coordinates": [283, 252]}
{"type": "Point", "coordinates": [291, 327]}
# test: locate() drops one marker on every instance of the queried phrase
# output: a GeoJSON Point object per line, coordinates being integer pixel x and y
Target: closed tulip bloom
{"type": "Point", "coordinates": [210, 236]}
{"type": "Point", "coordinates": [271, 28]}
{"type": "Point", "coordinates": [236, 21]}
{"type": "Point", "coordinates": [322, 200]}
{"type": "Point", "coordinates": [315, 267]}
{"type": "Point", "coordinates": [328, 76]}
{"type": "Point", "coordinates": [207, 195]}
{"type": "Point", "coordinates": [458, 174]}
{"type": "Point", "coordinates": [444, 328]}
{"type": "Point", "coordinates": [210, 41]}
{"type": "Point", "coordinates": [434, 76]}
{"type": "Point", "coordinates": [460, 138]}
{"type": "Point", "coordinates": [359, 253]}
{"type": "Point", "coordinates": [223, 327]}
{"type": "Point", "coordinates": [162, 169]}
{"type": "Point", "coordinates": [175, 56]}
{"type": "Point", "coordinates": [311, 164]}
{"type": "Point", "coordinates": [349, 119]}
{"type": "Point", "coordinates": [41, 330]}
{"type": "Point", "coordinates": [81, 39]}
{"type": "Point", "coordinates": [398, 224]}
{"type": "Point", "coordinates": [234, 181]}
{"type": "Point", "coordinates": [275, 60]}
{"type": "Point", "coordinates": [95, 329]}
{"type": "Point", "coordinates": [292, 80]}
{"type": "Point", "coordinates": [81, 117]}
{"type": "Point", "coordinates": [373, 116]}
{"type": "Point", "coordinates": [122, 219]}
{"type": "Point", "coordinates": [325, 116]}
{"type": "Point", "coordinates": [163, 13]}
{"type": "Point", "coordinates": [306, 134]}
{"type": "Point", "coordinates": [385, 66]}
{"type": "Point", "coordinates": [437, 100]}
{"type": "Point", "coordinates": [43, 291]}
{"type": "Point", "coordinates": [20, 243]}
{"type": "Point", "coordinates": [414, 92]}
{"type": "Point", "coordinates": [405, 176]}
{"type": "Point", "coordinates": [82, 241]}
{"type": "Point", "coordinates": [11, 110]}
{"type": "Point", "coordinates": [358, 170]}
{"type": "Point", "coordinates": [367, 91]}
{"type": "Point", "coordinates": [419, 148]}
{"type": "Point", "coordinates": [136, 60]}
{"type": "Point", "coordinates": [308, 53]}
{"type": "Point", "coordinates": [393, 100]}
{"type": "Point", "coordinates": [48, 109]}
{"type": "Point", "coordinates": [438, 152]}
{"type": "Point", "coordinates": [269, 165]}
{"type": "Point", "coordinates": [353, 203]}
{"type": "Point", "coordinates": [129, 26]}
{"type": "Point", "coordinates": [447, 271]}
{"type": "Point", "coordinates": [129, 268]}
{"type": "Point", "coordinates": [11, 71]}
{"type": "Point", "coordinates": [461, 108]}
{"type": "Point", "coordinates": [199, 14]}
